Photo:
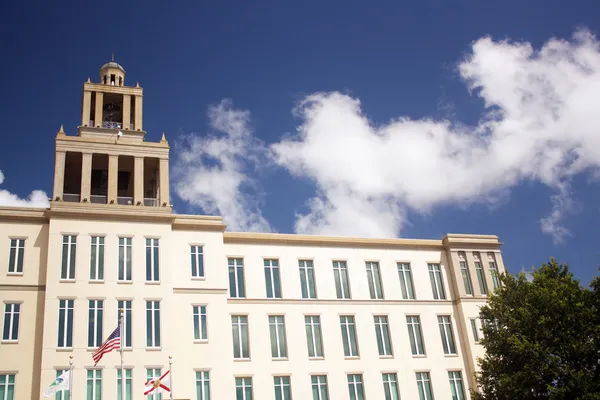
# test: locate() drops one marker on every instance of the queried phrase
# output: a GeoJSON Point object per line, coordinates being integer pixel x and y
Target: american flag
{"type": "Point", "coordinates": [113, 342]}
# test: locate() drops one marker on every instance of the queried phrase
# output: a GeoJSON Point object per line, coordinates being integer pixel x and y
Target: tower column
{"type": "Point", "coordinates": [138, 113]}
{"type": "Point", "coordinates": [126, 111]}
{"type": "Point", "coordinates": [85, 110]}
{"type": "Point", "coordinates": [86, 176]}
{"type": "Point", "coordinates": [164, 182]}
{"type": "Point", "coordinates": [113, 177]}
{"type": "Point", "coordinates": [59, 174]}
{"type": "Point", "coordinates": [138, 180]}
{"type": "Point", "coordinates": [98, 111]}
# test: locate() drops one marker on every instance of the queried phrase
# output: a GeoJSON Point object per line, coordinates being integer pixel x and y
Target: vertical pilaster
{"type": "Point", "coordinates": [86, 176]}
{"type": "Point", "coordinates": [98, 111]}
{"type": "Point", "coordinates": [164, 182]}
{"type": "Point", "coordinates": [126, 111]}
{"type": "Point", "coordinates": [138, 113]}
{"type": "Point", "coordinates": [138, 183]}
{"type": "Point", "coordinates": [85, 108]}
{"type": "Point", "coordinates": [113, 177]}
{"type": "Point", "coordinates": [59, 174]}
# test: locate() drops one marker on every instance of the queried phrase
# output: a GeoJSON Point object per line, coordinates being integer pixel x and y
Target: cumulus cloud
{"type": "Point", "coordinates": [37, 198]}
{"type": "Point", "coordinates": [211, 171]}
{"type": "Point", "coordinates": [541, 124]}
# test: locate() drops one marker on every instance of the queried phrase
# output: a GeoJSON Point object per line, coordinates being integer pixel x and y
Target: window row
{"type": "Point", "coordinates": [314, 336]}
{"type": "Point", "coordinates": [465, 271]}
{"type": "Point", "coordinates": [282, 387]}
{"type": "Point", "coordinates": [240, 332]}
{"type": "Point", "coordinates": [237, 287]}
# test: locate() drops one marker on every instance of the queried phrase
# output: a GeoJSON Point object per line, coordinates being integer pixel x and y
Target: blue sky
{"type": "Point", "coordinates": [380, 118]}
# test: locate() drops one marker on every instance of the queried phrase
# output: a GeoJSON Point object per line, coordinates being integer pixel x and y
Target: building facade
{"type": "Point", "coordinates": [243, 315]}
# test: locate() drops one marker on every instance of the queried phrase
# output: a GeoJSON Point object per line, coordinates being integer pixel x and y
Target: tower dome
{"type": "Point", "coordinates": [112, 73]}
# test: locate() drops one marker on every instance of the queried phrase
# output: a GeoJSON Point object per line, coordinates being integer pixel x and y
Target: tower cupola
{"type": "Point", "coordinates": [112, 73]}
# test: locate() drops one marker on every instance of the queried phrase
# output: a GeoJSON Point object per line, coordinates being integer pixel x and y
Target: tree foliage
{"type": "Point", "coordinates": [541, 337]}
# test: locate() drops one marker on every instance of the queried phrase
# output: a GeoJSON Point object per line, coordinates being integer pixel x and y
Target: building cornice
{"type": "Point", "coordinates": [24, 288]}
{"type": "Point", "coordinates": [60, 209]}
{"type": "Point", "coordinates": [330, 241]}
{"type": "Point", "coordinates": [112, 146]}
{"type": "Point", "coordinates": [99, 87]}
{"type": "Point", "coordinates": [456, 240]}
{"type": "Point", "coordinates": [198, 222]}
{"type": "Point", "coordinates": [23, 214]}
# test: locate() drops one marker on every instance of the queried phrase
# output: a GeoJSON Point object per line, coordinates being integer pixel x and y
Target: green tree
{"type": "Point", "coordinates": [541, 337]}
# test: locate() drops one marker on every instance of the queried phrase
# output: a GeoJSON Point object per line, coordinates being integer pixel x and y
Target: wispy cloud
{"type": "Point", "coordinates": [37, 198]}
{"type": "Point", "coordinates": [212, 171]}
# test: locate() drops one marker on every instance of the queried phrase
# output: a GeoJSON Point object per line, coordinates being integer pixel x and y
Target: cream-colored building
{"type": "Point", "coordinates": [243, 315]}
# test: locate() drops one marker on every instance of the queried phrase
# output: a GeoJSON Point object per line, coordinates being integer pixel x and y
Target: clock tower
{"type": "Point", "coordinates": [109, 165]}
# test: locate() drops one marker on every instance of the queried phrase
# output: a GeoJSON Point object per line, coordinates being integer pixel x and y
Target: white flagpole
{"type": "Point", "coordinates": [122, 344]}
{"type": "Point", "coordinates": [71, 377]}
{"type": "Point", "coordinates": [171, 373]}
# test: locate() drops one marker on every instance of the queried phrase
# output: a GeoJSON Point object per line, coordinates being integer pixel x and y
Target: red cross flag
{"type": "Point", "coordinates": [162, 385]}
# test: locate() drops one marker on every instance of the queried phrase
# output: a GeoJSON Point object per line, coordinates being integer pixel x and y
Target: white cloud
{"type": "Point", "coordinates": [542, 124]}
{"type": "Point", "coordinates": [211, 171]}
{"type": "Point", "coordinates": [37, 198]}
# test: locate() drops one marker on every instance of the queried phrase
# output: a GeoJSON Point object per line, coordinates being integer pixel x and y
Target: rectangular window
{"type": "Point", "coordinates": [447, 335]}
{"type": "Point", "coordinates": [153, 373]}
{"type": "Point", "coordinates": [152, 270]}
{"type": "Point", "coordinates": [319, 387]}
{"type": "Point", "coordinates": [94, 384]}
{"type": "Point", "coordinates": [15, 258]}
{"type": "Point", "coordinates": [464, 270]}
{"type": "Point", "coordinates": [382, 331]}
{"type": "Point", "coordinates": [272, 280]}
{"type": "Point", "coordinates": [7, 387]}
{"type": "Point", "coordinates": [307, 279]}
{"type": "Point", "coordinates": [480, 275]}
{"type": "Point", "coordinates": [437, 283]}
{"type": "Point", "coordinates": [424, 386]}
{"type": "Point", "coordinates": [197, 255]}
{"type": "Point", "coordinates": [406, 282]}
{"type": "Point", "coordinates": [97, 258]}
{"type": "Point", "coordinates": [200, 328]}
{"type": "Point", "coordinates": [456, 385]}
{"type": "Point", "coordinates": [415, 335]}
{"type": "Point", "coordinates": [125, 305]}
{"type": "Point", "coordinates": [243, 388]}
{"type": "Point", "coordinates": [355, 387]}
{"type": "Point", "coordinates": [12, 313]}
{"type": "Point", "coordinates": [69, 253]}
{"type": "Point", "coordinates": [278, 337]}
{"type": "Point", "coordinates": [95, 314]}
{"type": "Point", "coordinates": [239, 329]}
{"type": "Point", "coordinates": [314, 339]}
{"type": "Point", "coordinates": [202, 385]}
{"type": "Point", "coordinates": [475, 330]}
{"type": "Point", "coordinates": [124, 259]}
{"type": "Point", "coordinates": [374, 277]}
{"type": "Point", "coordinates": [493, 270]}
{"type": "Point", "coordinates": [390, 387]}
{"type": "Point", "coordinates": [349, 336]}
{"type": "Point", "coordinates": [128, 386]}
{"type": "Point", "coordinates": [65, 323]}
{"type": "Point", "coordinates": [153, 323]}
{"type": "Point", "coordinates": [63, 395]}
{"type": "Point", "coordinates": [283, 389]}
{"type": "Point", "coordinates": [236, 277]}
{"type": "Point", "coordinates": [342, 285]}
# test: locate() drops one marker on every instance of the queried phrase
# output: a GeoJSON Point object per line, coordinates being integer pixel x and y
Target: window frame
{"type": "Point", "coordinates": [16, 253]}
{"type": "Point", "coordinates": [151, 322]}
{"type": "Point", "coordinates": [197, 255]}
{"type": "Point", "coordinates": [9, 318]}
{"type": "Point", "coordinates": [68, 271]}
{"type": "Point", "coordinates": [341, 276]}
{"type": "Point", "coordinates": [200, 324]}
{"type": "Point", "coordinates": [97, 258]}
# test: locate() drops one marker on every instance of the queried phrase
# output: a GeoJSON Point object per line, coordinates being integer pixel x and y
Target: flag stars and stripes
{"type": "Point", "coordinates": [112, 342]}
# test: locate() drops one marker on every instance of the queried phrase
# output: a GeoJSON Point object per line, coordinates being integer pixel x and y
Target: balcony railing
{"type": "Point", "coordinates": [113, 125]}
{"type": "Point", "coordinates": [125, 201]}
{"type": "Point", "coordinates": [72, 198]}
{"type": "Point", "coordinates": [97, 199]}
{"type": "Point", "coordinates": [151, 202]}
